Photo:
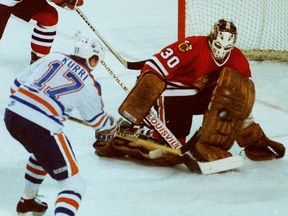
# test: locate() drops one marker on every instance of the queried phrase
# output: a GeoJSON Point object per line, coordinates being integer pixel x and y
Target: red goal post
{"type": "Point", "coordinates": [262, 24]}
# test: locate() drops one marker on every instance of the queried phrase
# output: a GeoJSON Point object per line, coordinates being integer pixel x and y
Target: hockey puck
{"type": "Point", "coordinates": [223, 114]}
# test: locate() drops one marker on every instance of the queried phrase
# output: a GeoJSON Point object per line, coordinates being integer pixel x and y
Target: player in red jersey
{"type": "Point", "coordinates": [190, 69]}
{"type": "Point", "coordinates": [203, 75]}
{"type": "Point", "coordinates": [43, 97]}
{"type": "Point", "coordinates": [45, 15]}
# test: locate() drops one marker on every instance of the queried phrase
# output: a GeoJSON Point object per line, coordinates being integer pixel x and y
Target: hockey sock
{"type": "Point", "coordinates": [67, 203]}
{"type": "Point", "coordinates": [42, 40]}
{"type": "Point", "coordinates": [45, 31]}
{"type": "Point", "coordinates": [34, 176]}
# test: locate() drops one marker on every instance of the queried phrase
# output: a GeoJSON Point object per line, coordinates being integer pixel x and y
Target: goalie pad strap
{"type": "Point", "coordinates": [142, 97]}
{"type": "Point", "coordinates": [231, 103]}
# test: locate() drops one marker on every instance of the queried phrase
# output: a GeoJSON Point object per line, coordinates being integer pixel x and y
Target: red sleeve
{"type": "Point", "coordinates": [170, 58]}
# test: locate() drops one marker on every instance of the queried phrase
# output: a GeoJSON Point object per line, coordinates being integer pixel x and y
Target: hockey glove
{"type": "Point", "coordinates": [136, 130]}
{"type": "Point", "coordinates": [68, 4]}
{"type": "Point", "coordinates": [271, 150]}
{"type": "Point", "coordinates": [107, 135]}
{"type": "Point", "coordinates": [106, 149]}
{"type": "Point", "coordinates": [104, 142]}
{"type": "Point", "coordinates": [258, 146]}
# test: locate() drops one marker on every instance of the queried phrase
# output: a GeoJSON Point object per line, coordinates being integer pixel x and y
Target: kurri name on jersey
{"type": "Point", "coordinates": [76, 68]}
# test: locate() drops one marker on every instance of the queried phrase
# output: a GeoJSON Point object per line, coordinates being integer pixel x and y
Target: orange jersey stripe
{"type": "Point", "coordinates": [12, 91]}
{"type": "Point", "coordinates": [39, 100]}
{"type": "Point", "coordinates": [100, 121]}
{"type": "Point", "coordinates": [64, 144]}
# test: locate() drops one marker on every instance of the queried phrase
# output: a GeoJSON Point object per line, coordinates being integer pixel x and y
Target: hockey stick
{"type": "Point", "coordinates": [193, 165]}
{"type": "Point", "coordinates": [134, 138]}
{"type": "Point", "coordinates": [151, 118]}
{"type": "Point", "coordinates": [147, 143]}
{"type": "Point", "coordinates": [188, 159]}
{"type": "Point", "coordinates": [130, 65]}
{"type": "Point", "coordinates": [159, 126]}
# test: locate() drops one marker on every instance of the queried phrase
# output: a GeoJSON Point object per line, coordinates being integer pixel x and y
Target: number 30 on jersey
{"type": "Point", "coordinates": [172, 60]}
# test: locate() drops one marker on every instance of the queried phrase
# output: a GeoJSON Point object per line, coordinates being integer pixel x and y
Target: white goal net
{"type": "Point", "coordinates": [262, 24]}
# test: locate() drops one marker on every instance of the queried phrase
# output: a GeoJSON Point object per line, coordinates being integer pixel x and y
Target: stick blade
{"type": "Point", "coordinates": [221, 165]}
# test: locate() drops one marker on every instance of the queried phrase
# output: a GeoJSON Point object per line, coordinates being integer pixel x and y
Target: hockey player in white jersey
{"type": "Point", "coordinates": [43, 96]}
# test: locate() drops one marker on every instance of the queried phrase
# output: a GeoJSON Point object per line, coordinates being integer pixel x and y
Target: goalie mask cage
{"type": "Point", "coordinates": [262, 25]}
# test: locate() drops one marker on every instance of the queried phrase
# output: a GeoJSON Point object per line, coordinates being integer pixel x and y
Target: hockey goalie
{"type": "Point", "coordinates": [201, 75]}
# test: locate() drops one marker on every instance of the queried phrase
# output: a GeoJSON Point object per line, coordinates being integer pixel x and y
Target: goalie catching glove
{"type": "Point", "coordinates": [68, 4]}
{"type": "Point", "coordinates": [257, 146]}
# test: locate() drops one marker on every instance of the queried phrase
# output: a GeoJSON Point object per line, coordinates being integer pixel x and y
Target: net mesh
{"type": "Point", "coordinates": [262, 24]}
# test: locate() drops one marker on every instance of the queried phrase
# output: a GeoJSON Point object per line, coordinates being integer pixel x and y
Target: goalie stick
{"type": "Point", "coordinates": [186, 158]}
{"type": "Point", "coordinates": [204, 168]}
{"type": "Point", "coordinates": [195, 166]}
{"type": "Point", "coordinates": [130, 65]}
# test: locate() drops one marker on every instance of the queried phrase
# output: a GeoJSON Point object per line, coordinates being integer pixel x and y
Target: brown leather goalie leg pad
{"type": "Point", "coordinates": [131, 149]}
{"type": "Point", "coordinates": [106, 149]}
{"type": "Point", "coordinates": [257, 146]}
{"type": "Point", "coordinates": [138, 152]}
{"type": "Point", "coordinates": [205, 152]}
{"type": "Point", "coordinates": [168, 161]}
{"type": "Point", "coordinates": [231, 102]}
{"type": "Point", "coordinates": [142, 97]}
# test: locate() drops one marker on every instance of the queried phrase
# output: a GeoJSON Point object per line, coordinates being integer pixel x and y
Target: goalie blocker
{"type": "Point", "coordinates": [142, 97]}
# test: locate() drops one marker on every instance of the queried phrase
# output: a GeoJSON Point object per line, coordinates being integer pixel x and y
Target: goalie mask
{"type": "Point", "coordinates": [222, 39]}
{"type": "Point", "coordinates": [88, 48]}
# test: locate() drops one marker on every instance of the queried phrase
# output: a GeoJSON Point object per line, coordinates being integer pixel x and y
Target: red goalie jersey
{"type": "Point", "coordinates": [182, 63]}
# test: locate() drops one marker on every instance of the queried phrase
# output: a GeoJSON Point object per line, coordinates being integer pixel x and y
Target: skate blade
{"type": "Point", "coordinates": [32, 213]}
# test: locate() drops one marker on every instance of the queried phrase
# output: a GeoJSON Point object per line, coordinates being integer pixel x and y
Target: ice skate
{"type": "Point", "coordinates": [33, 206]}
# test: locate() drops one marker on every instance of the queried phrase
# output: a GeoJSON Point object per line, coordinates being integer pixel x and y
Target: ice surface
{"type": "Point", "coordinates": [138, 29]}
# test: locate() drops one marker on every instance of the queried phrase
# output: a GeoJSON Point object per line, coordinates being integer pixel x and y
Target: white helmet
{"type": "Point", "coordinates": [86, 48]}
{"type": "Point", "coordinates": [222, 38]}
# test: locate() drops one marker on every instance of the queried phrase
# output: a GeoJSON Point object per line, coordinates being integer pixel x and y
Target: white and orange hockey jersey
{"type": "Point", "coordinates": [48, 90]}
